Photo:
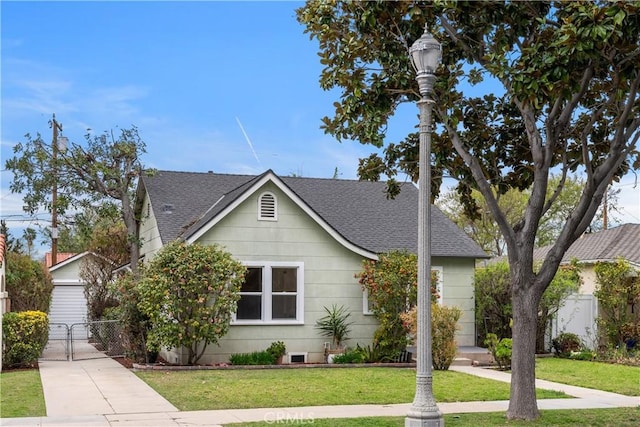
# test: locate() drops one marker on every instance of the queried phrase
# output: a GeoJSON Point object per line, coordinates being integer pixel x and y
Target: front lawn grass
{"type": "Point", "coordinates": [272, 388]}
{"type": "Point", "coordinates": [21, 394]}
{"type": "Point", "coordinates": [619, 379]}
{"type": "Point", "coordinates": [616, 417]}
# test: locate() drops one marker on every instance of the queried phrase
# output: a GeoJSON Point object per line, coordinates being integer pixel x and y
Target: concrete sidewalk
{"type": "Point", "coordinates": [101, 392]}
{"type": "Point", "coordinates": [97, 387]}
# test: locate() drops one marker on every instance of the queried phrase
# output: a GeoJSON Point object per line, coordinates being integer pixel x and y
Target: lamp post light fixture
{"type": "Point", "coordinates": [425, 55]}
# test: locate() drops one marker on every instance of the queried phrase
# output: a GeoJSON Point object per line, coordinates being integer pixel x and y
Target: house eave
{"type": "Point", "coordinates": [269, 176]}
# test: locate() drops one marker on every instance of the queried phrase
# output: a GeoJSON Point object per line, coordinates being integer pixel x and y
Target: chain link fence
{"type": "Point", "coordinates": [96, 339]}
{"type": "Point", "coordinates": [57, 347]}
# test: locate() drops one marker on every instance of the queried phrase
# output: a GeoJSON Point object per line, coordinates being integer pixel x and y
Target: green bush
{"type": "Point", "coordinates": [618, 291]}
{"type": "Point", "coordinates": [492, 289]}
{"type": "Point", "coordinates": [255, 358]}
{"type": "Point", "coordinates": [277, 349]}
{"type": "Point", "coordinates": [565, 343]}
{"type": "Point", "coordinates": [349, 356]}
{"type": "Point", "coordinates": [135, 324]}
{"type": "Point", "coordinates": [372, 354]}
{"type": "Point", "coordinates": [444, 322]}
{"type": "Point", "coordinates": [28, 282]}
{"type": "Point", "coordinates": [189, 292]}
{"type": "Point", "coordinates": [25, 334]}
{"type": "Point", "coordinates": [500, 349]}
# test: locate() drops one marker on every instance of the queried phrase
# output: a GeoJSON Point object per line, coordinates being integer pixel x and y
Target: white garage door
{"type": "Point", "coordinates": [68, 306]}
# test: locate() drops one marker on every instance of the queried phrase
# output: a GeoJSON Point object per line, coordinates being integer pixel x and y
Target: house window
{"type": "Point", "coordinates": [271, 293]}
{"type": "Point", "coordinates": [267, 207]}
{"type": "Point", "coordinates": [367, 304]}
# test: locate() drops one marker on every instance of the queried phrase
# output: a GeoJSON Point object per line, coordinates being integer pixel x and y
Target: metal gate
{"type": "Point", "coordinates": [79, 341]}
{"type": "Point", "coordinates": [57, 347]}
{"type": "Point", "coordinates": [104, 340]}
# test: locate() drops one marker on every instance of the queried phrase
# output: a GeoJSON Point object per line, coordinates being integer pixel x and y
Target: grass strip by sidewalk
{"type": "Point", "coordinates": [272, 388]}
{"type": "Point", "coordinates": [21, 394]}
{"type": "Point", "coordinates": [616, 417]}
{"type": "Point", "coordinates": [619, 379]}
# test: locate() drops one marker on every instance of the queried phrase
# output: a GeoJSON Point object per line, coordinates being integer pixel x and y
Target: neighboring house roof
{"type": "Point", "coordinates": [605, 245]}
{"type": "Point", "coordinates": [60, 257]}
{"type": "Point", "coordinates": [357, 211]}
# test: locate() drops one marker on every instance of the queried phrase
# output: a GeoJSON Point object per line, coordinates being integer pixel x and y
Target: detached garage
{"type": "Point", "coordinates": [68, 303]}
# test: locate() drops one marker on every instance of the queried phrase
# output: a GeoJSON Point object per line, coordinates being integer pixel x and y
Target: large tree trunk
{"type": "Point", "coordinates": [129, 217]}
{"type": "Point", "coordinates": [522, 401]}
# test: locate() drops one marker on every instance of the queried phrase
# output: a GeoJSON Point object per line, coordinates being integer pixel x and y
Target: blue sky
{"type": "Point", "coordinates": [184, 73]}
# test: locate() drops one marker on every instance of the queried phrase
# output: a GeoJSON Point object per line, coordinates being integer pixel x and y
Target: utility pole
{"type": "Point", "coordinates": [54, 193]}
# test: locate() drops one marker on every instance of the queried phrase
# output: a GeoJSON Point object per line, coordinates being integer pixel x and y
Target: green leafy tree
{"type": "Point", "coordinates": [391, 286]}
{"type": "Point", "coordinates": [28, 283]}
{"type": "Point", "coordinates": [76, 234]}
{"type": "Point", "coordinates": [494, 313]}
{"type": "Point", "coordinates": [484, 230]}
{"type": "Point", "coordinates": [567, 281]}
{"type": "Point", "coordinates": [12, 244]}
{"type": "Point", "coordinates": [492, 291]}
{"type": "Point", "coordinates": [189, 292]}
{"type": "Point", "coordinates": [618, 292]}
{"type": "Point", "coordinates": [108, 250]}
{"type": "Point", "coordinates": [102, 172]}
{"type": "Point", "coordinates": [556, 89]}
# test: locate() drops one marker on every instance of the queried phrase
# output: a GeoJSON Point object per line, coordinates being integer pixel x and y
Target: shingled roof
{"type": "Point", "coordinates": [358, 211]}
{"type": "Point", "coordinates": [605, 245]}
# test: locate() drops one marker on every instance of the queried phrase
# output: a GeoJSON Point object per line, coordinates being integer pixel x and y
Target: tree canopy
{"type": "Point", "coordinates": [558, 92]}
{"type": "Point", "coordinates": [101, 174]}
{"type": "Point", "coordinates": [484, 230]}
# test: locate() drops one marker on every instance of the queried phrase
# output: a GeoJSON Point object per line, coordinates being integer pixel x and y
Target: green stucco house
{"type": "Point", "coordinates": [303, 240]}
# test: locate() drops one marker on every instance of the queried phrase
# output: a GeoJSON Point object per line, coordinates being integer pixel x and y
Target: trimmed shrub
{"type": "Point", "coordinates": [25, 334]}
{"type": "Point", "coordinates": [444, 323]}
{"type": "Point", "coordinates": [565, 343]}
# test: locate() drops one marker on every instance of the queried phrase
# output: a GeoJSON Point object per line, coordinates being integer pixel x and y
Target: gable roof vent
{"type": "Point", "coordinates": [267, 207]}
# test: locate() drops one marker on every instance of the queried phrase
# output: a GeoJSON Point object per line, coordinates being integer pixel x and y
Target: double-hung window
{"type": "Point", "coordinates": [272, 292]}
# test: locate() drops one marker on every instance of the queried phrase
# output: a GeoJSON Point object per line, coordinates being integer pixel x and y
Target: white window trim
{"type": "Point", "coordinates": [365, 303]}
{"type": "Point", "coordinates": [439, 289]}
{"type": "Point", "coordinates": [275, 207]}
{"type": "Point", "coordinates": [266, 294]}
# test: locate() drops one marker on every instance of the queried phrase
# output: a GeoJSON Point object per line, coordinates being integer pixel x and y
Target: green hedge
{"type": "Point", "coordinates": [25, 334]}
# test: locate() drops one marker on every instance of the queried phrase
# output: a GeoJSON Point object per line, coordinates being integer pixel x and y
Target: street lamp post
{"type": "Point", "coordinates": [425, 55]}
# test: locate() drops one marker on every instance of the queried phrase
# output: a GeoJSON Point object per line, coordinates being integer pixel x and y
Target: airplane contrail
{"type": "Point", "coordinates": [249, 142]}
